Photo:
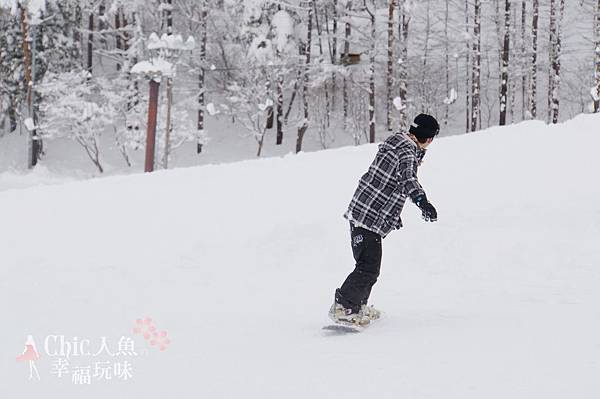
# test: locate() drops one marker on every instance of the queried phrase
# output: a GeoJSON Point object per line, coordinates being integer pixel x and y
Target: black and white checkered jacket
{"type": "Point", "coordinates": [382, 191]}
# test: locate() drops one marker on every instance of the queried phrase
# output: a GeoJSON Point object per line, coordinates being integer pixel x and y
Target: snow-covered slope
{"type": "Point", "coordinates": [238, 264]}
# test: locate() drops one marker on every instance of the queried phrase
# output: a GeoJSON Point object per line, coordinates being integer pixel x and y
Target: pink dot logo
{"type": "Point", "coordinates": [155, 338]}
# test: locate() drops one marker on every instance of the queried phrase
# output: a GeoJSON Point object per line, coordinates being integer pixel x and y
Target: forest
{"type": "Point", "coordinates": [148, 75]}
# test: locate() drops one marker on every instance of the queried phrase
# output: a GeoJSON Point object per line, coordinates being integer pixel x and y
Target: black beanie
{"type": "Point", "coordinates": [424, 127]}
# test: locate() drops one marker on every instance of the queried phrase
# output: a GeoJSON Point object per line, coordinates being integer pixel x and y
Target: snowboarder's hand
{"type": "Point", "coordinates": [428, 211]}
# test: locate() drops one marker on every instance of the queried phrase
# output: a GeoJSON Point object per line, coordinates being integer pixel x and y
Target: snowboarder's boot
{"type": "Point", "coordinates": [369, 312]}
{"type": "Point", "coordinates": [341, 315]}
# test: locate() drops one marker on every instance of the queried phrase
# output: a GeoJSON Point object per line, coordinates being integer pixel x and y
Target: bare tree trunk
{"type": "Point", "coordinates": [27, 64]}
{"type": "Point", "coordinates": [334, 54]}
{"type": "Point", "coordinates": [534, 45]}
{"type": "Point", "coordinates": [169, 127]}
{"type": "Point", "coordinates": [512, 83]}
{"type": "Point", "coordinates": [424, 91]}
{"type": "Point", "coordinates": [555, 49]}
{"type": "Point", "coordinates": [556, 64]}
{"type": "Point", "coordinates": [129, 59]}
{"type": "Point", "coordinates": [90, 44]}
{"type": "Point", "coordinates": [77, 36]}
{"type": "Point", "coordinates": [319, 34]}
{"type": "Point", "coordinates": [403, 23]}
{"type": "Point", "coordinates": [279, 108]}
{"type": "Point", "coordinates": [294, 92]}
{"type": "Point", "coordinates": [169, 89]}
{"type": "Point", "coordinates": [372, 74]}
{"type": "Point", "coordinates": [523, 58]}
{"type": "Point", "coordinates": [476, 78]}
{"type": "Point", "coordinates": [12, 115]}
{"type": "Point", "coordinates": [302, 129]}
{"type": "Point", "coordinates": [269, 95]}
{"type": "Point", "coordinates": [447, 62]}
{"type": "Point", "coordinates": [102, 23]}
{"type": "Point", "coordinates": [201, 76]}
{"type": "Point", "coordinates": [92, 151]}
{"type": "Point", "coordinates": [168, 16]}
{"type": "Point", "coordinates": [119, 42]}
{"type": "Point", "coordinates": [36, 144]}
{"type": "Point", "coordinates": [390, 64]}
{"type": "Point", "coordinates": [168, 12]}
{"type": "Point", "coordinates": [132, 59]}
{"type": "Point", "coordinates": [347, 33]}
{"type": "Point", "coordinates": [597, 72]}
{"type": "Point", "coordinates": [132, 88]}
{"type": "Point", "coordinates": [468, 68]}
{"type": "Point", "coordinates": [552, 57]}
{"type": "Point", "coordinates": [259, 130]}
{"type": "Point", "coordinates": [505, 64]}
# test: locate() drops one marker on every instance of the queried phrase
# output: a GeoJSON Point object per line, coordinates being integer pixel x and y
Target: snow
{"type": "Point", "coordinates": [263, 106]}
{"type": "Point", "coordinates": [29, 124]}
{"type": "Point", "coordinates": [212, 110]}
{"type": "Point", "coordinates": [40, 175]}
{"type": "Point", "coordinates": [171, 42]}
{"type": "Point", "coordinates": [261, 50]}
{"type": "Point", "coordinates": [594, 93]}
{"type": "Point", "coordinates": [283, 27]}
{"type": "Point", "coordinates": [35, 8]}
{"type": "Point", "coordinates": [398, 103]}
{"type": "Point", "coordinates": [154, 42]}
{"type": "Point", "coordinates": [498, 299]}
{"type": "Point", "coordinates": [156, 66]}
{"type": "Point", "coordinates": [452, 96]}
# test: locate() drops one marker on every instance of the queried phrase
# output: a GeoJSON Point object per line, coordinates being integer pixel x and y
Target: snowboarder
{"type": "Point", "coordinates": [375, 211]}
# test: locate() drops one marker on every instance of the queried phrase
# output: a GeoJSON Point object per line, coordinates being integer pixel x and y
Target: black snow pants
{"type": "Point", "coordinates": [366, 248]}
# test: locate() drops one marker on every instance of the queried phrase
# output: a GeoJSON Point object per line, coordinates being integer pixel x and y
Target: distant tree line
{"type": "Point", "coordinates": [291, 67]}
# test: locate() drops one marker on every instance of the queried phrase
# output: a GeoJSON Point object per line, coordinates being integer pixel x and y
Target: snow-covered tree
{"type": "Point", "coordinates": [250, 105]}
{"type": "Point", "coordinates": [284, 45]}
{"type": "Point", "coordinates": [77, 108]}
{"type": "Point", "coordinates": [307, 52]}
{"type": "Point", "coordinates": [12, 88]}
{"type": "Point", "coordinates": [334, 83]}
{"type": "Point", "coordinates": [182, 129]}
{"type": "Point", "coordinates": [37, 40]}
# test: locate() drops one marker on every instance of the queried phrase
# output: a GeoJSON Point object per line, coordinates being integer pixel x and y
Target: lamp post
{"type": "Point", "coordinates": [166, 50]}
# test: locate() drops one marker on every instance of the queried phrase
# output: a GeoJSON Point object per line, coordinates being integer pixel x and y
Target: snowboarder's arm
{"type": "Point", "coordinates": [407, 176]}
{"type": "Point", "coordinates": [407, 170]}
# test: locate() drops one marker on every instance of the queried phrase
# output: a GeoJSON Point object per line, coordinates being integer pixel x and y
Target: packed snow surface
{"type": "Point", "coordinates": [238, 263]}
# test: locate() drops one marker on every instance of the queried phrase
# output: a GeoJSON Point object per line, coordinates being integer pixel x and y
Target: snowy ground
{"type": "Point", "coordinates": [238, 263]}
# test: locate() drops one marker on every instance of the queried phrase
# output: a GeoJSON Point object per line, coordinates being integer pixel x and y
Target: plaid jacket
{"type": "Point", "coordinates": [382, 191]}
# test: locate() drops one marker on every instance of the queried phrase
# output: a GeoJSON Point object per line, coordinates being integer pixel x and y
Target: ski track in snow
{"type": "Point", "coordinates": [498, 299]}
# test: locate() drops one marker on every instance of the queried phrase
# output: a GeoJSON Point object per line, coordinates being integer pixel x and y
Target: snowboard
{"type": "Point", "coordinates": [340, 327]}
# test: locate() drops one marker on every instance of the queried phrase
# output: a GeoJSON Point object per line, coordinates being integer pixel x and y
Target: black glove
{"type": "Point", "coordinates": [428, 211]}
